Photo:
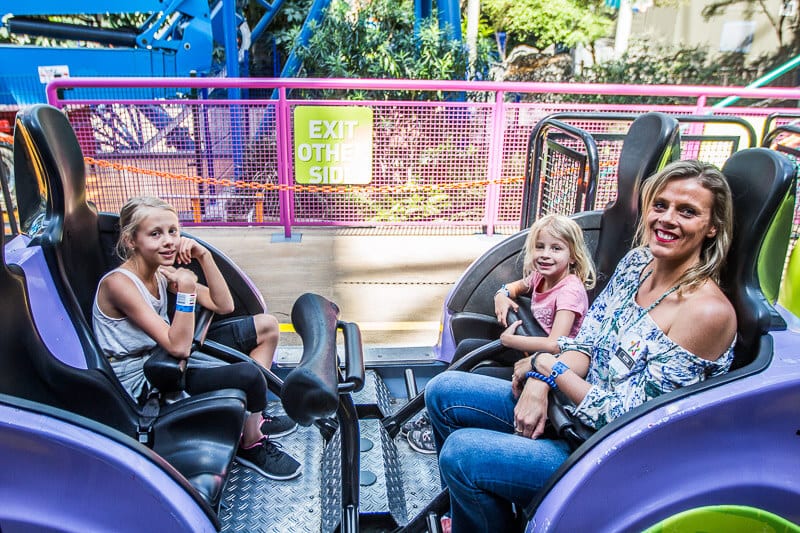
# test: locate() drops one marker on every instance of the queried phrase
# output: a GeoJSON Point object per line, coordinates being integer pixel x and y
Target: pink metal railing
{"type": "Point", "coordinates": [446, 163]}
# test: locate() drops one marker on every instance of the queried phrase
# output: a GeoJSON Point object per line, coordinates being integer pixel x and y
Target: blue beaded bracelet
{"type": "Point", "coordinates": [541, 377]}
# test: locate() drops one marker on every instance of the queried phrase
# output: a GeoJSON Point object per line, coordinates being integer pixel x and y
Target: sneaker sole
{"type": "Point", "coordinates": [282, 433]}
{"type": "Point", "coordinates": [276, 477]}
{"type": "Point", "coordinates": [418, 449]}
{"type": "Point", "coordinates": [404, 432]}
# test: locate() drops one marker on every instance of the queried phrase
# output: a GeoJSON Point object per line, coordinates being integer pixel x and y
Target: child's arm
{"type": "Point", "coordinates": [562, 325]}
{"type": "Point", "coordinates": [216, 296]}
{"type": "Point", "coordinates": [503, 302]}
{"type": "Point", "coordinates": [118, 297]}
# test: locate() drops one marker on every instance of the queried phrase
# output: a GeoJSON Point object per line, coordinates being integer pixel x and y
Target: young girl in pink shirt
{"type": "Point", "coordinates": [556, 273]}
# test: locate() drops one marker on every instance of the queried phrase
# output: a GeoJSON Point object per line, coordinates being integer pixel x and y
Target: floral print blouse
{"type": "Point", "coordinates": [631, 359]}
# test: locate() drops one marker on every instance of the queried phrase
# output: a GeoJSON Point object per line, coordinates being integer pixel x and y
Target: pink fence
{"type": "Point", "coordinates": [224, 151]}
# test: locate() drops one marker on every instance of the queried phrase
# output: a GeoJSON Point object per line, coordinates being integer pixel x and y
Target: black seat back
{"type": "Point", "coordinates": [29, 370]}
{"type": "Point", "coordinates": [762, 182]}
{"type": "Point", "coordinates": [70, 237]}
{"type": "Point", "coordinates": [72, 228]}
{"type": "Point", "coordinates": [652, 141]}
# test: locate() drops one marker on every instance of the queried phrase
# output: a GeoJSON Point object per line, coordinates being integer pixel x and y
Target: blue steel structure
{"type": "Point", "coordinates": [177, 39]}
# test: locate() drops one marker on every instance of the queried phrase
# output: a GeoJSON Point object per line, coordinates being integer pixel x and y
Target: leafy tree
{"type": "Point", "coordinates": [781, 23]}
{"type": "Point", "coordinates": [376, 40]}
{"type": "Point", "coordinates": [647, 64]}
{"type": "Point", "coordinates": [542, 23]}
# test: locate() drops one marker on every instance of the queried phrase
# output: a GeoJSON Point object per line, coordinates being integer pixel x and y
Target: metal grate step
{"type": "Point", "coordinates": [405, 481]}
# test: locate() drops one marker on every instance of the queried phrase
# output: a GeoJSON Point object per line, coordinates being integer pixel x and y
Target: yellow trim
{"type": "Point", "coordinates": [382, 326]}
{"type": "Point", "coordinates": [34, 156]}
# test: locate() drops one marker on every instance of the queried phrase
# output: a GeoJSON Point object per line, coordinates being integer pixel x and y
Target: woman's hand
{"type": "Point", "coordinates": [180, 279]}
{"type": "Point", "coordinates": [502, 304]}
{"type": "Point", "coordinates": [530, 413]}
{"type": "Point", "coordinates": [188, 249]}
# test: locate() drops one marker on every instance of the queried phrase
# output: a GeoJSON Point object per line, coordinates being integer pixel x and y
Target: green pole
{"type": "Point", "coordinates": [766, 78]}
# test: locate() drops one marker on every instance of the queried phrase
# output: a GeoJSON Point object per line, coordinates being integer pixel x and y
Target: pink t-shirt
{"type": "Point", "coordinates": [568, 295]}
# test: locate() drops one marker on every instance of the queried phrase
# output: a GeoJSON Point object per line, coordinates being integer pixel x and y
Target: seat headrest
{"type": "Point", "coordinates": [761, 180]}
{"type": "Point", "coordinates": [50, 148]}
{"type": "Point", "coordinates": [652, 141]}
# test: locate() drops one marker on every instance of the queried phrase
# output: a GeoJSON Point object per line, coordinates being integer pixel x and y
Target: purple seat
{"type": "Point", "coordinates": [198, 436]}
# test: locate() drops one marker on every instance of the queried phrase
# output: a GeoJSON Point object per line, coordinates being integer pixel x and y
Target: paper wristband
{"type": "Point", "coordinates": [185, 302]}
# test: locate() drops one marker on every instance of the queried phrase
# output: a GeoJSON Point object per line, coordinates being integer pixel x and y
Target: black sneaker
{"type": "Point", "coordinates": [267, 458]}
{"type": "Point", "coordinates": [275, 426]}
{"type": "Point", "coordinates": [421, 440]}
{"type": "Point", "coordinates": [423, 422]}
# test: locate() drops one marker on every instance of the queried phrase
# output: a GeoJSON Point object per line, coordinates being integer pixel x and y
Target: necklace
{"type": "Point", "coordinates": [632, 300]}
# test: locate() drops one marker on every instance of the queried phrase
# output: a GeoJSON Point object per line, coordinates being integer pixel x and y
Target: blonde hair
{"type": "Point", "coordinates": [714, 249]}
{"type": "Point", "coordinates": [131, 215]}
{"type": "Point", "coordinates": [567, 230]}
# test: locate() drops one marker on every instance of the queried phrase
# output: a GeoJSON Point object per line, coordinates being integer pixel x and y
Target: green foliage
{"type": "Point", "coordinates": [646, 64]}
{"type": "Point", "coordinates": [542, 23]}
{"type": "Point", "coordinates": [377, 41]}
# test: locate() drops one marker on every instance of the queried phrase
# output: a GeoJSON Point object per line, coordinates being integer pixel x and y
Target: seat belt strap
{"type": "Point", "coordinates": [148, 416]}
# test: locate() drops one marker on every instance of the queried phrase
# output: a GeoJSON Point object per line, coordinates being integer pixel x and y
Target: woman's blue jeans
{"type": "Point", "coordinates": [485, 466]}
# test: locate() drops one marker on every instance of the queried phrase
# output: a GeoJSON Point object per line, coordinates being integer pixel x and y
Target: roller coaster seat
{"type": "Point", "coordinates": [198, 435]}
{"type": "Point", "coordinates": [762, 182]}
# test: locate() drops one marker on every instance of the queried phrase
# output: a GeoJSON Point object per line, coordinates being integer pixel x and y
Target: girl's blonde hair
{"type": "Point", "coordinates": [714, 249]}
{"type": "Point", "coordinates": [567, 230]}
{"type": "Point", "coordinates": [131, 215]}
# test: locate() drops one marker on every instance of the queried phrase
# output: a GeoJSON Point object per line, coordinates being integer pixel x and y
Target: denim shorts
{"type": "Point", "coordinates": [237, 332]}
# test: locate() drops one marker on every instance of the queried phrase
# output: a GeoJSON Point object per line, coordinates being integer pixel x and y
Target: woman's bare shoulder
{"type": "Point", "coordinates": [705, 323]}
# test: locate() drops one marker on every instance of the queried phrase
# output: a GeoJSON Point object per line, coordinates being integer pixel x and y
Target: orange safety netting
{"type": "Point", "coordinates": [241, 184]}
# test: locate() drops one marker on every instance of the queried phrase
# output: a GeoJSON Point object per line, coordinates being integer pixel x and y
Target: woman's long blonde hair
{"type": "Point", "coordinates": [714, 249]}
{"type": "Point", "coordinates": [131, 215]}
{"type": "Point", "coordinates": [567, 230]}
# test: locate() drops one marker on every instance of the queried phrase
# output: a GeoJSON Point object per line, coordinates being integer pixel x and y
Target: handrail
{"type": "Point", "coordinates": [311, 390]}
{"type": "Point", "coordinates": [588, 183]}
{"type": "Point", "coordinates": [421, 85]}
{"type": "Point", "coordinates": [494, 158]}
{"type": "Point", "coordinates": [774, 117]}
{"type": "Point", "coordinates": [786, 128]}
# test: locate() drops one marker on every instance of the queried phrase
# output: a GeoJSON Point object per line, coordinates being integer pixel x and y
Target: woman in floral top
{"type": "Point", "coordinates": [661, 323]}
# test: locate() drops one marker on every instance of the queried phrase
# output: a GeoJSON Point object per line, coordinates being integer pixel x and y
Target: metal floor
{"type": "Point", "coordinates": [405, 481]}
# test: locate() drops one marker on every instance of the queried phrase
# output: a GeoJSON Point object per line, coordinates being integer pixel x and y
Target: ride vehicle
{"type": "Point", "coordinates": [77, 454]}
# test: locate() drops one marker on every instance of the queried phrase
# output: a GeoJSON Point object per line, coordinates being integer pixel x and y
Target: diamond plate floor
{"type": "Point", "coordinates": [253, 503]}
{"type": "Point", "coordinates": [406, 480]}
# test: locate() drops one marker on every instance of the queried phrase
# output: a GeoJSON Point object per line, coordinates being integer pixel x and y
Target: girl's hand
{"type": "Point", "coordinates": [180, 279]}
{"type": "Point", "coordinates": [502, 304]}
{"type": "Point", "coordinates": [521, 369]}
{"type": "Point", "coordinates": [507, 337]}
{"type": "Point", "coordinates": [188, 249]}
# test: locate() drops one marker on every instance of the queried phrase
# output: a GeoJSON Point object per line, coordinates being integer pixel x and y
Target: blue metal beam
{"type": "Point", "coordinates": [448, 12]}
{"type": "Point", "coordinates": [315, 15]}
{"type": "Point", "coordinates": [272, 9]}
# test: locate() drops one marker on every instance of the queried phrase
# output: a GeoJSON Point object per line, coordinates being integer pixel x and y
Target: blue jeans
{"type": "Point", "coordinates": [485, 466]}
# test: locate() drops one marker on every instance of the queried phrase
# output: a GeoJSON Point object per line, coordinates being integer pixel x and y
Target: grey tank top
{"type": "Point", "coordinates": [119, 338]}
